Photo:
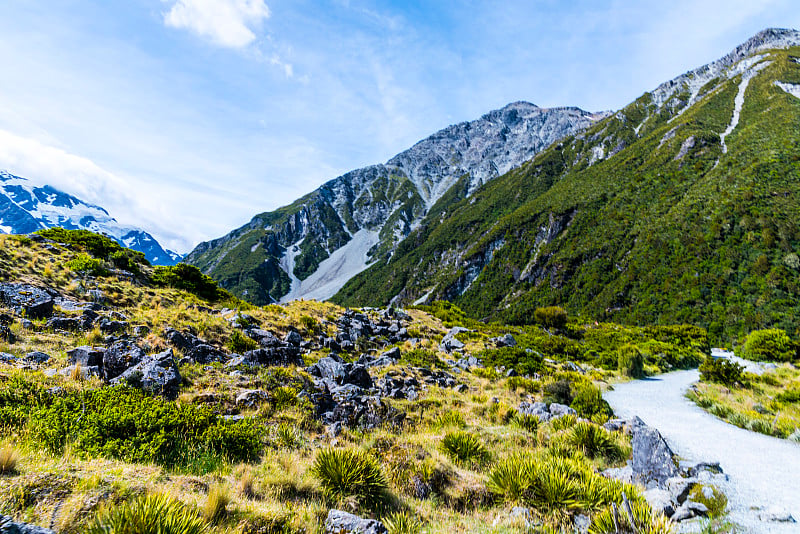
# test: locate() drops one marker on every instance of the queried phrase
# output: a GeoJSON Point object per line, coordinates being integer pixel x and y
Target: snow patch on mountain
{"type": "Point", "coordinates": [333, 272]}
{"type": "Point", "coordinates": [791, 88]}
{"type": "Point", "coordinates": [25, 208]}
{"type": "Point", "coordinates": [738, 102]}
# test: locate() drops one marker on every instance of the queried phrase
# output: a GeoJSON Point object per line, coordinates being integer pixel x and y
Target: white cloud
{"type": "Point", "coordinates": [227, 23]}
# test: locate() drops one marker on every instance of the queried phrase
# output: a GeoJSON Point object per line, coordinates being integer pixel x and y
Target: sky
{"type": "Point", "coordinates": [188, 117]}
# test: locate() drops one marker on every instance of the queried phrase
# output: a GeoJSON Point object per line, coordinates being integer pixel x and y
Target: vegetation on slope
{"type": "Point", "coordinates": [665, 229]}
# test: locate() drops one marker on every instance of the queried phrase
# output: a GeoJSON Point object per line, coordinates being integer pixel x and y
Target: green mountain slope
{"type": "Point", "coordinates": [647, 217]}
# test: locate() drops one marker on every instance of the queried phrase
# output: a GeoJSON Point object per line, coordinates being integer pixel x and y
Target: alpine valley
{"type": "Point", "coordinates": [680, 207]}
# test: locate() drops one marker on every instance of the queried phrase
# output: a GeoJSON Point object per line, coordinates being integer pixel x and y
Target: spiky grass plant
{"type": "Point", "coordinates": [464, 448]}
{"type": "Point", "coordinates": [450, 419]}
{"type": "Point", "coordinates": [512, 477]}
{"type": "Point", "coordinates": [555, 486]}
{"type": "Point", "coordinates": [526, 421]}
{"type": "Point", "coordinates": [564, 422]}
{"type": "Point", "coordinates": [347, 473]}
{"type": "Point", "coordinates": [287, 436]}
{"type": "Point", "coordinates": [402, 522]}
{"type": "Point", "coordinates": [151, 514]}
{"type": "Point", "coordinates": [630, 517]}
{"type": "Point", "coordinates": [593, 441]}
{"type": "Point", "coordinates": [9, 457]}
{"type": "Point", "coordinates": [216, 507]}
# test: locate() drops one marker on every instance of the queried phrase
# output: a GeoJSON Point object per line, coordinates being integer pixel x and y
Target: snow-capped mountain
{"type": "Point", "coordinates": [25, 208]}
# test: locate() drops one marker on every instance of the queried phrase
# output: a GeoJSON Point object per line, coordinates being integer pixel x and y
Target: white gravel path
{"type": "Point", "coordinates": [764, 472]}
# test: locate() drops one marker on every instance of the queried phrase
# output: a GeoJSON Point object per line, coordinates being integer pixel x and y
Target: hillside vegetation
{"type": "Point", "coordinates": [641, 219]}
{"type": "Point", "coordinates": [252, 424]}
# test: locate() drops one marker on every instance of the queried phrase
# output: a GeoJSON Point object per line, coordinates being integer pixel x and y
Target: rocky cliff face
{"type": "Point", "coordinates": [25, 208]}
{"type": "Point", "coordinates": [312, 247]}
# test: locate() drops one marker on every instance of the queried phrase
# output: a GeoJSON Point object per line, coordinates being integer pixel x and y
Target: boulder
{"type": "Point", "coordinates": [86, 356]}
{"type": "Point", "coordinates": [156, 374]}
{"type": "Point", "coordinates": [339, 522]}
{"type": "Point", "coordinates": [183, 341]}
{"type": "Point", "coordinates": [282, 356]}
{"type": "Point", "coordinates": [539, 409]}
{"type": "Point", "coordinates": [119, 357]}
{"type": "Point", "coordinates": [111, 327]}
{"type": "Point", "coordinates": [9, 526]}
{"type": "Point", "coordinates": [506, 340]}
{"type": "Point", "coordinates": [72, 324]}
{"type": "Point", "coordinates": [660, 500]}
{"type": "Point", "coordinates": [204, 353]}
{"type": "Point", "coordinates": [7, 335]}
{"type": "Point", "coordinates": [357, 375]}
{"type": "Point", "coordinates": [652, 460]}
{"type": "Point", "coordinates": [85, 370]}
{"type": "Point", "coordinates": [331, 367]}
{"type": "Point", "coordinates": [560, 410]}
{"type": "Point", "coordinates": [37, 357]}
{"type": "Point", "coordinates": [293, 338]}
{"type": "Point", "coordinates": [251, 398]}
{"type": "Point", "coordinates": [27, 300]}
{"type": "Point", "coordinates": [449, 342]}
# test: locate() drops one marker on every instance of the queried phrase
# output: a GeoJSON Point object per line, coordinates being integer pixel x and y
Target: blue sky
{"type": "Point", "coordinates": [187, 117]}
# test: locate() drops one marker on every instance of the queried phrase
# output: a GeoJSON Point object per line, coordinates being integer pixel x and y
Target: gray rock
{"type": "Point", "coordinates": [37, 357]}
{"type": "Point", "coordinates": [776, 515]}
{"type": "Point", "coordinates": [156, 374]}
{"type": "Point", "coordinates": [679, 488]}
{"type": "Point", "coordinates": [27, 300]}
{"type": "Point", "coordinates": [110, 327]}
{"type": "Point", "coordinates": [250, 398]}
{"type": "Point", "coordinates": [293, 338]}
{"type": "Point", "coordinates": [652, 459]}
{"type": "Point", "coordinates": [120, 357]}
{"type": "Point", "coordinates": [8, 526]}
{"type": "Point", "coordinates": [560, 410]}
{"type": "Point", "coordinates": [203, 353]}
{"type": "Point", "coordinates": [339, 522]}
{"type": "Point", "coordinates": [282, 356]}
{"type": "Point", "coordinates": [539, 409]}
{"type": "Point", "coordinates": [71, 324]}
{"type": "Point", "coordinates": [85, 371]}
{"type": "Point", "coordinates": [698, 508]}
{"type": "Point", "coordinates": [449, 342]}
{"type": "Point", "coordinates": [506, 340]}
{"type": "Point", "coordinates": [86, 356]}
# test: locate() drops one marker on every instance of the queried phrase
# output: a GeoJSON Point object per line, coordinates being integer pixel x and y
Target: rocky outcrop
{"type": "Point", "coordinates": [339, 522]}
{"type": "Point", "coordinates": [9, 526]}
{"type": "Point", "coordinates": [156, 374]}
{"type": "Point", "coordinates": [28, 301]}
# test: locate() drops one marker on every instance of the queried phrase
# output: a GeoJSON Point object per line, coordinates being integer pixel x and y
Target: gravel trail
{"type": "Point", "coordinates": [764, 472]}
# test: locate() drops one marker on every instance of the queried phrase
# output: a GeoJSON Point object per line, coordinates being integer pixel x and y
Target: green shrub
{"type": "Point", "coordinates": [790, 396]}
{"type": "Point", "coordinates": [551, 316]}
{"type": "Point", "coordinates": [188, 278]}
{"type": "Point", "coordinates": [309, 323]}
{"type": "Point", "coordinates": [402, 522]}
{"type": "Point", "coordinates": [450, 419]}
{"type": "Point", "coordinates": [522, 361]}
{"type": "Point", "coordinates": [98, 246]}
{"type": "Point", "coordinates": [153, 514]}
{"type": "Point", "coordinates": [721, 371]}
{"type": "Point", "coordinates": [128, 260]}
{"type": "Point", "coordinates": [511, 478]}
{"type": "Point", "coordinates": [83, 263]}
{"type": "Point", "coordinates": [630, 361]}
{"type": "Point", "coordinates": [588, 401]}
{"type": "Point", "coordinates": [283, 396]}
{"type": "Point", "coordinates": [125, 423]}
{"type": "Point", "coordinates": [771, 345]}
{"type": "Point", "coordinates": [711, 496]}
{"type": "Point", "coordinates": [526, 421]}
{"type": "Point", "coordinates": [464, 448]}
{"type": "Point", "coordinates": [559, 392]}
{"type": "Point", "coordinates": [641, 519]}
{"type": "Point", "coordinates": [593, 440]}
{"type": "Point", "coordinates": [520, 383]}
{"type": "Point", "coordinates": [347, 473]}
{"type": "Point", "coordinates": [240, 343]}
{"type": "Point", "coordinates": [447, 312]}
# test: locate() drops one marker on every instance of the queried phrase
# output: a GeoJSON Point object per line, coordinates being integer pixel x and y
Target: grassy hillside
{"type": "Point", "coordinates": [663, 228]}
{"type": "Point", "coordinates": [75, 449]}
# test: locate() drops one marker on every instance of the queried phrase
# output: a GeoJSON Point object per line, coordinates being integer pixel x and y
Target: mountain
{"type": "Point", "coordinates": [25, 208]}
{"type": "Point", "coordinates": [681, 207]}
{"type": "Point", "coordinates": [310, 248]}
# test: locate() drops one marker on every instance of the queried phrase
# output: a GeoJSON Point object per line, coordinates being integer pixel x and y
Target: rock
{"type": "Point", "coordinates": [660, 500]}
{"type": "Point", "coordinates": [141, 330]}
{"type": "Point", "coordinates": [6, 319]}
{"type": "Point", "coordinates": [506, 340]}
{"type": "Point", "coordinates": [357, 375]}
{"type": "Point", "coordinates": [560, 410]}
{"type": "Point", "coordinates": [461, 388]}
{"type": "Point", "coordinates": [293, 338]}
{"type": "Point", "coordinates": [7, 335]}
{"type": "Point", "coordinates": [85, 370]}
{"type": "Point", "coordinates": [265, 339]}
{"type": "Point", "coordinates": [331, 367]}
{"type": "Point", "coordinates": [96, 295]}
{"type": "Point", "coordinates": [27, 300]}
{"type": "Point", "coordinates": [86, 356]}
{"type": "Point", "coordinates": [614, 425]}
{"type": "Point", "coordinates": [679, 488]}
{"type": "Point", "coordinates": [111, 327]}
{"type": "Point", "coordinates": [697, 508]}
{"type": "Point", "coordinates": [539, 409]}
{"type": "Point", "coordinates": [156, 374]}
{"type": "Point", "coordinates": [449, 342]}
{"type": "Point", "coordinates": [623, 474]}
{"type": "Point", "coordinates": [581, 522]}
{"type": "Point", "coordinates": [251, 398]}
{"type": "Point", "coordinates": [183, 341]}
{"type": "Point", "coordinates": [37, 357]}
{"type": "Point", "coordinates": [652, 459]}
{"type": "Point", "coordinates": [339, 522]}
{"type": "Point", "coordinates": [203, 353]}
{"type": "Point", "coordinates": [682, 514]}
{"type": "Point", "coordinates": [119, 357]}
{"type": "Point", "coordinates": [8, 526]}
{"type": "Point", "coordinates": [72, 324]}
{"type": "Point", "coordinates": [468, 362]}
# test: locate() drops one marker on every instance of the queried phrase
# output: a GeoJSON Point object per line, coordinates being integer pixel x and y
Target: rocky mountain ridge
{"type": "Point", "coordinates": [25, 208]}
{"type": "Point", "coordinates": [312, 247]}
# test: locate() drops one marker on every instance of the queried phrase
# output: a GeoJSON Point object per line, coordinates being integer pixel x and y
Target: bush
{"type": "Point", "coordinates": [83, 263]}
{"type": "Point", "coordinates": [347, 473]}
{"type": "Point", "coordinates": [402, 522]}
{"type": "Point", "coordinates": [630, 361]}
{"type": "Point", "coordinates": [240, 343]}
{"type": "Point", "coordinates": [186, 277]}
{"type": "Point", "coordinates": [559, 392]}
{"type": "Point", "coordinates": [219, 497]}
{"type": "Point", "coordinates": [790, 396]}
{"type": "Point", "coordinates": [522, 361]}
{"type": "Point", "coordinates": [464, 449]}
{"type": "Point", "coordinates": [551, 317]}
{"type": "Point", "coordinates": [512, 477]}
{"type": "Point", "coordinates": [98, 246]}
{"type": "Point", "coordinates": [641, 519]}
{"type": "Point", "coordinates": [588, 401]}
{"type": "Point", "coordinates": [526, 421]}
{"type": "Point", "coordinates": [309, 323]}
{"type": "Point", "coordinates": [721, 371]}
{"type": "Point", "coordinates": [153, 514]}
{"type": "Point", "coordinates": [128, 260]}
{"type": "Point", "coordinates": [124, 423]}
{"type": "Point", "coordinates": [8, 460]}
{"type": "Point", "coordinates": [770, 345]}
{"type": "Point", "coordinates": [594, 441]}
{"type": "Point", "coordinates": [711, 496]}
